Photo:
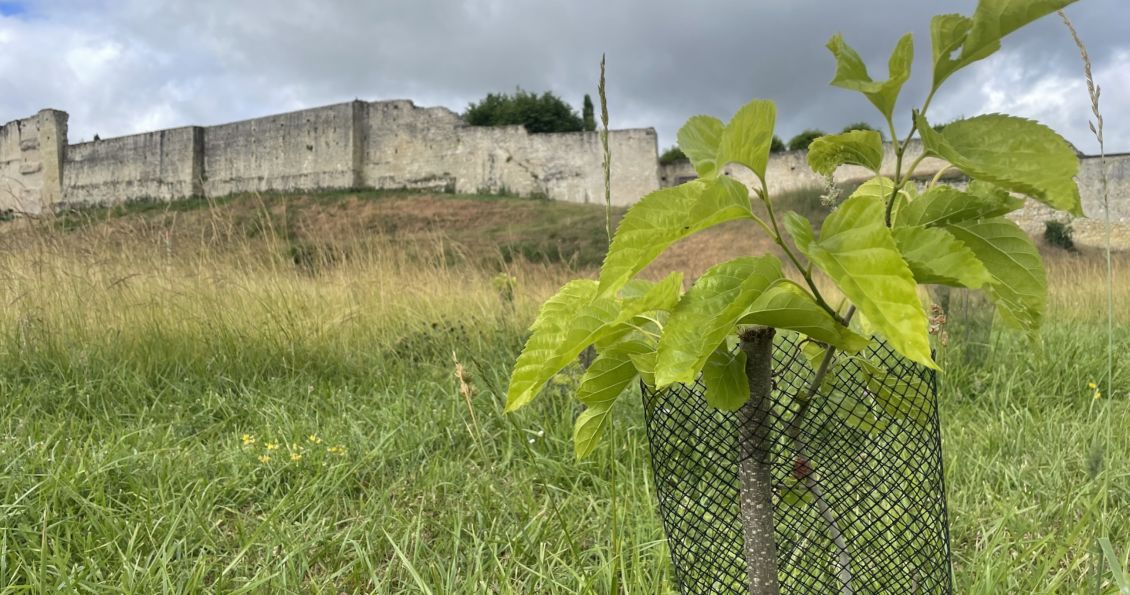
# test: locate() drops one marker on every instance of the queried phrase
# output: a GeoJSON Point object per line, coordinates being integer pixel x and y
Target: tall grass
{"type": "Point", "coordinates": [144, 372]}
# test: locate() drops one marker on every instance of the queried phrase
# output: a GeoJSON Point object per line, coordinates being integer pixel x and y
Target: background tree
{"type": "Point", "coordinates": [801, 141]}
{"type": "Point", "coordinates": [777, 145]}
{"type": "Point", "coordinates": [863, 126]}
{"type": "Point", "coordinates": [672, 155]}
{"type": "Point", "coordinates": [538, 113]}
{"type": "Point", "coordinates": [588, 120]}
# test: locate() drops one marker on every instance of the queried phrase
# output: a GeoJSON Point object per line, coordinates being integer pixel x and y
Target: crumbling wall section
{"type": "Point", "coordinates": [31, 162]}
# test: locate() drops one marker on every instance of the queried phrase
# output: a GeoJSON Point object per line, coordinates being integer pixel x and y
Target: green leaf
{"type": "Point", "coordinates": [814, 353]}
{"type": "Point", "coordinates": [994, 19]}
{"type": "Point", "coordinates": [568, 322]}
{"type": "Point", "coordinates": [709, 312]}
{"type": "Point", "coordinates": [856, 414]}
{"type": "Point", "coordinates": [747, 137]}
{"type": "Point", "coordinates": [699, 139]}
{"type": "Point", "coordinates": [943, 204]}
{"type": "Point", "coordinates": [851, 72]}
{"type": "Point", "coordinates": [610, 373]}
{"type": "Point", "coordinates": [1013, 153]}
{"type": "Point", "coordinates": [857, 251]}
{"type": "Point", "coordinates": [947, 33]}
{"type": "Point", "coordinates": [1019, 285]}
{"type": "Point", "coordinates": [788, 306]}
{"type": "Point", "coordinates": [981, 36]}
{"type": "Point", "coordinates": [800, 229]}
{"type": "Point", "coordinates": [589, 428]}
{"type": "Point", "coordinates": [643, 296]}
{"type": "Point", "coordinates": [795, 493]}
{"type": "Point", "coordinates": [881, 187]}
{"type": "Point", "coordinates": [727, 387]}
{"type": "Point", "coordinates": [937, 258]}
{"type": "Point", "coordinates": [665, 217]}
{"type": "Point", "coordinates": [857, 147]}
{"type": "Point", "coordinates": [645, 366]}
{"type": "Point", "coordinates": [903, 396]}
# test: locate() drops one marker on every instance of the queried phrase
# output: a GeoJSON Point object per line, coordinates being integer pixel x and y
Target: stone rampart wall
{"type": "Point", "coordinates": [31, 152]}
{"type": "Point", "coordinates": [395, 144]}
{"type": "Point", "coordinates": [161, 165]}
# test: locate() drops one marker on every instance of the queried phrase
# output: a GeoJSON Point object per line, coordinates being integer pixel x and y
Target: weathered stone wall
{"type": "Point", "coordinates": [395, 144]}
{"type": "Point", "coordinates": [31, 153]}
{"type": "Point", "coordinates": [163, 165]}
{"type": "Point", "coordinates": [385, 144]}
{"type": "Point", "coordinates": [411, 147]}
{"type": "Point", "coordinates": [303, 150]}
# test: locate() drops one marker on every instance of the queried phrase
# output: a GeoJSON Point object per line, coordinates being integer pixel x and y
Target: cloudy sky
{"type": "Point", "coordinates": [123, 66]}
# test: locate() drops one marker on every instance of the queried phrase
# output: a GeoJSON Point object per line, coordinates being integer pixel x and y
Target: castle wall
{"type": "Point", "coordinates": [31, 162]}
{"type": "Point", "coordinates": [395, 144]}
{"type": "Point", "coordinates": [432, 148]}
{"type": "Point", "coordinates": [163, 165]}
{"type": "Point", "coordinates": [304, 150]}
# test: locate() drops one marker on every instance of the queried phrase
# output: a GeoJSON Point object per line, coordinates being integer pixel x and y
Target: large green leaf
{"type": "Point", "coordinates": [644, 296]}
{"type": "Point", "coordinates": [851, 72]}
{"type": "Point", "coordinates": [610, 373]}
{"type": "Point", "coordinates": [788, 306]}
{"type": "Point", "coordinates": [937, 258]}
{"type": "Point", "coordinates": [1013, 153]}
{"type": "Point", "coordinates": [665, 217]}
{"type": "Point", "coordinates": [568, 322]}
{"type": "Point", "coordinates": [708, 312]}
{"type": "Point", "coordinates": [857, 251]}
{"type": "Point", "coordinates": [699, 139]}
{"type": "Point", "coordinates": [981, 36]}
{"type": "Point", "coordinates": [645, 366]}
{"type": "Point", "coordinates": [856, 147]}
{"type": "Point", "coordinates": [902, 396]}
{"type": "Point", "coordinates": [947, 33]}
{"type": "Point", "coordinates": [1019, 285]}
{"type": "Point", "coordinates": [882, 187]}
{"type": "Point", "coordinates": [723, 375]}
{"type": "Point", "coordinates": [748, 136]}
{"type": "Point", "coordinates": [944, 204]}
{"type": "Point", "coordinates": [641, 300]}
{"type": "Point", "coordinates": [800, 228]}
{"type": "Point", "coordinates": [856, 413]}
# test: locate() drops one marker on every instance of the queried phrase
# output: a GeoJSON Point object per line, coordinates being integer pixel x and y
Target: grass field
{"type": "Point", "coordinates": [258, 396]}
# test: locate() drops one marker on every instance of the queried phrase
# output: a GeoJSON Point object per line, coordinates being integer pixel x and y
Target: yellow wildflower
{"type": "Point", "coordinates": [1098, 394]}
{"type": "Point", "coordinates": [264, 459]}
{"type": "Point", "coordinates": [295, 457]}
{"type": "Point", "coordinates": [272, 446]}
{"type": "Point", "coordinates": [1091, 385]}
{"type": "Point", "coordinates": [313, 439]}
{"type": "Point", "coordinates": [336, 450]}
{"type": "Point", "coordinates": [248, 439]}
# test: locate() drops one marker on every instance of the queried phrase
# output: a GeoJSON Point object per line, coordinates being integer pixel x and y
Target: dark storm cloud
{"type": "Point", "coordinates": [132, 65]}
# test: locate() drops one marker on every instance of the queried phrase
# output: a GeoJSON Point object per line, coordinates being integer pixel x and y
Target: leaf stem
{"type": "Point", "coordinates": [805, 272]}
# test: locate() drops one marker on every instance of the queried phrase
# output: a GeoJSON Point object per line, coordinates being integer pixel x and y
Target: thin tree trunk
{"type": "Point", "coordinates": [754, 441]}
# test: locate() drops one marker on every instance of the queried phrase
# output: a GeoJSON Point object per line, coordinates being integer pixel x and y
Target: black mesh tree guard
{"type": "Point", "coordinates": [879, 474]}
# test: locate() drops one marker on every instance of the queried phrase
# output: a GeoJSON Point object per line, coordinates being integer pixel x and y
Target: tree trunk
{"type": "Point", "coordinates": [754, 442]}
